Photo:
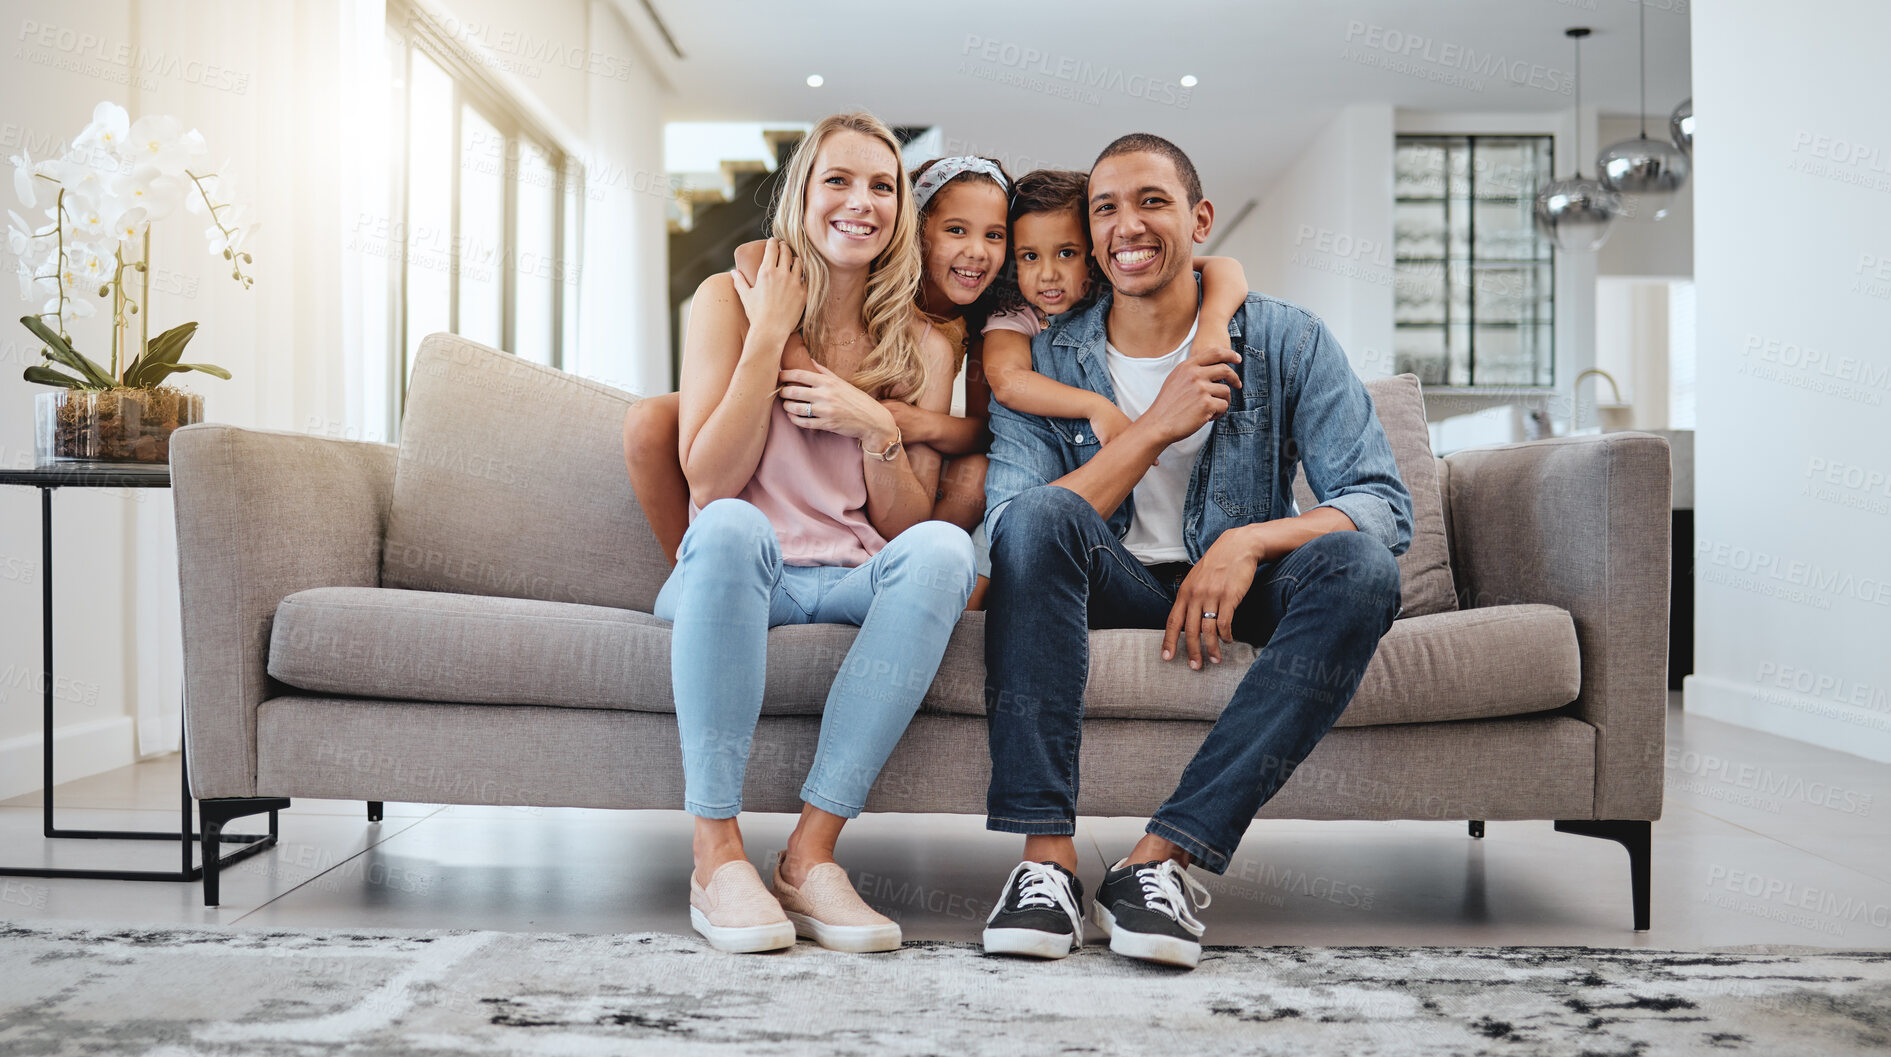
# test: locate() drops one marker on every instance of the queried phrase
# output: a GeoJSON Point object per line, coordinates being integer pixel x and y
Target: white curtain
{"type": "Point", "coordinates": [303, 120]}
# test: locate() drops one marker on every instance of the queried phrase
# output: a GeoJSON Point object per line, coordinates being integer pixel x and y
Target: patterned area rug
{"type": "Point", "coordinates": [178, 992]}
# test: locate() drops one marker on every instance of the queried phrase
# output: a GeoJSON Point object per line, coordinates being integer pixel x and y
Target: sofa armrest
{"type": "Point", "coordinates": [260, 515]}
{"type": "Point", "coordinates": [1582, 523]}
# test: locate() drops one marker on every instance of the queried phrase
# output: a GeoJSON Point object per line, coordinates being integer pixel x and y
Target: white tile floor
{"type": "Point", "coordinates": [1763, 840]}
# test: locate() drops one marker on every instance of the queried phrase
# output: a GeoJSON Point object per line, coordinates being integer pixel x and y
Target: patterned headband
{"type": "Point", "coordinates": [945, 169]}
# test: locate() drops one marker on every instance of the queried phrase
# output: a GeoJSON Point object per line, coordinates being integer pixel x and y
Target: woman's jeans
{"type": "Point", "coordinates": [730, 586]}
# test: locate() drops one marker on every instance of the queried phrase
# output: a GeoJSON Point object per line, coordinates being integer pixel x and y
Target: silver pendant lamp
{"type": "Point", "coordinates": [1650, 169]}
{"type": "Point", "coordinates": [1681, 126]}
{"type": "Point", "coordinates": [1577, 213]}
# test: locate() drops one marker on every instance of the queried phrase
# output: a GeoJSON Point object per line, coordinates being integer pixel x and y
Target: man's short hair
{"type": "Point", "coordinates": [1149, 142]}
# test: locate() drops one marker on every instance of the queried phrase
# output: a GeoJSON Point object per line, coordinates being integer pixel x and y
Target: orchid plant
{"type": "Point", "coordinates": [101, 199]}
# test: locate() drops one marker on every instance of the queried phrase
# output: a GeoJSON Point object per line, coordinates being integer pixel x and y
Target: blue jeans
{"type": "Point", "coordinates": [1058, 571]}
{"type": "Point", "coordinates": [730, 586]}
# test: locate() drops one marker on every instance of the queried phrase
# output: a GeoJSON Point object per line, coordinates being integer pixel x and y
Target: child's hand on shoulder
{"type": "Point", "coordinates": [903, 418]}
{"type": "Point", "coordinates": [1209, 343]}
{"type": "Point", "coordinates": [1109, 422]}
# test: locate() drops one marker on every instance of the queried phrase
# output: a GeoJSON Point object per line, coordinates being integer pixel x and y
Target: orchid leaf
{"type": "Point", "coordinates": [154, 374]}
{"type": "Point", "coordinates": [163, 349]}
{"type": "Point", "coordinates": [66, 355]}
{"type": "Point", "coordinates": [47, 376]}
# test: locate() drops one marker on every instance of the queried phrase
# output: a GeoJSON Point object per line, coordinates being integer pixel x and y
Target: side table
{"type": "Point", "coordinates": [81, 475]}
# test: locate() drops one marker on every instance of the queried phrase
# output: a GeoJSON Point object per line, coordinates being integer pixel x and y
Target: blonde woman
{"type": "Point", "coordinates": [807, 508]}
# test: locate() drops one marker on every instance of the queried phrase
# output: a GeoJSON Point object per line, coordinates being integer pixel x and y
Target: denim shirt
{"type": "Point", "coordinates": [1299, 402]}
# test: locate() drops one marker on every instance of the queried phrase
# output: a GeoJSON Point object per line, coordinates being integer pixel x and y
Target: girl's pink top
{"type": "Point", "coordinates": [812, 487]}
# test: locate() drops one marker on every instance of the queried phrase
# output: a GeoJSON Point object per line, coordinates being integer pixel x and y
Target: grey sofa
{"type": "Point", "coordinates": [465, 619]}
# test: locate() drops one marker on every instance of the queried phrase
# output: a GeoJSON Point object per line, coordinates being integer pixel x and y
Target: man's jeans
{"type": "Point", "coordinates": [1058, 571]}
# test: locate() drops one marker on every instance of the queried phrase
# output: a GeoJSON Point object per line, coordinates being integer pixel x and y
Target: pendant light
{"type": "Point", "coordinates": [1576, 213]}
{"type": "Point", "coordinates": [1650, 169]}
{"type": "Point", "coordinates": [1681, 126]}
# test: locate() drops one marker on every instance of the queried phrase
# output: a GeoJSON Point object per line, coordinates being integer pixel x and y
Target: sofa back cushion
{"type": "Point", "coordinates": [510, 481]}
{"type": "Point", "coordinates": [1425, 584]}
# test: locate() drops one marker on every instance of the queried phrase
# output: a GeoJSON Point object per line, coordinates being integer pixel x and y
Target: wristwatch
{"type": "Point", "coordinates": [892, 450]}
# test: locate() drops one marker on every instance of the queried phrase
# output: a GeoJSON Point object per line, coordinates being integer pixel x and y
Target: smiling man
{"type": "Point", "coordinates": [1183, 522]}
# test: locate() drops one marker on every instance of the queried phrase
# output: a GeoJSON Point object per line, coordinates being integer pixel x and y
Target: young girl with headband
{"type": "Point", "coordinates": [962, 204]}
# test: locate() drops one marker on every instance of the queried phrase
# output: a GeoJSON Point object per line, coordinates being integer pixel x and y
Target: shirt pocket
{"type": "Point", "coordinates": [1077, 436]}
{"type": "Point", "coordinates": [1240, 440]}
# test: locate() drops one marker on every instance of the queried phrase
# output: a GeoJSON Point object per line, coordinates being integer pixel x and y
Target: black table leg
{"type": "Point", "coordinates": [253, 842]}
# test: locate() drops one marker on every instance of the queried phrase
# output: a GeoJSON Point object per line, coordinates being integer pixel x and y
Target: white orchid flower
{"type": "Point", "coordinates": [195, 149]}
{"type": "Point", "coordinates": [76, 307]}
{"type": "Point", "coordinates": [233, 242]}
{"type": "Point", "coordinates": [19, 235]}
{"type": "Point", "coordinates": [89, 218]}
{"type": "Point", "coordinates": [94, 269]}
{"type": "Point", "coordinates": [23, 177]}
{"type": "Point", "coordinates": [216, 187]}
{"type": "Point", "coordinates": [130, 224]}
{"type": "Point", "coordinates": [85, 185]}
{"type": "Point", "coordinates": [194, 198]}
{"type": "Point", "coordinates": [149, 188]}
{"type": "Point", "coordinates": [108, 130]}
{"type": "Point", "coordinates": [157, 139]}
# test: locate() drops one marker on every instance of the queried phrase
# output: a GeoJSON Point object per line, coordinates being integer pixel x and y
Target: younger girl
{"type": "Point", "coordinates": [1057, 272]}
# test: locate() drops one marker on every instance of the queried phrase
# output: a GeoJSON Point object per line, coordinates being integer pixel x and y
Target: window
{"type": "Point", "coordinates": [483, 241]}
{"type": "Point", "coordinates": [1474, 282]}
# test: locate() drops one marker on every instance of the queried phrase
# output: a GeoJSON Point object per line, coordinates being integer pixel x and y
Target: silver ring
{"type": "Point", "coordinates": [807, 409]}
{"type": "Point", "coordinates": [1210, 616]}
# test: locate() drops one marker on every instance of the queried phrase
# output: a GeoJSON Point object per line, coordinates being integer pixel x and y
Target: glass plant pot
{"type": "Point", "coordinates": [111, 425]}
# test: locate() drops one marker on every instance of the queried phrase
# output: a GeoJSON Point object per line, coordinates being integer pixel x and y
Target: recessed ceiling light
{"type": "Point", "coordinates": [1189, 81]}
{"type": "Point", "coordinates": [815, 80]}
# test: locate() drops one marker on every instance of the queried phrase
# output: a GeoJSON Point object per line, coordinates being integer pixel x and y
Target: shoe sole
{"type": "Point", "coordinates": [744, 939]}
{"type": "Point", "coordinates": [1163, 950]}
{"type": "Point", "coordinates": [855, 939]}
{"type": "Point", "coordinates": [1034, 943]}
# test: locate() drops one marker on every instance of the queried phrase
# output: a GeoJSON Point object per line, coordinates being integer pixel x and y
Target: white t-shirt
{"type": "Point", "coordinates": [1155, 530]}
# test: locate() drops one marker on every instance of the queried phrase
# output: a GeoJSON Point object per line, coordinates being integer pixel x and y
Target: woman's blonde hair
{"type": "Point", "coordinates": [894, 366]}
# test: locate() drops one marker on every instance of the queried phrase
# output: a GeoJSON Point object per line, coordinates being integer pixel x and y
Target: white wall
{"type": "Point", "coordinates": [263, 82]}
{"type": "Point", "coordinates": [624, 338]}
{"type": "Point", "coordinates": [1321, 235]}
{"type": "Point", "coordinates": [1793, 224]}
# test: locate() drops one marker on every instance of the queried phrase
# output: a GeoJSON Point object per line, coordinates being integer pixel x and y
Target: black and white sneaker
{"type": "Point", "coordinates": [1040, 913]}
{"type": "Point", "coordinates": [1144, 909]}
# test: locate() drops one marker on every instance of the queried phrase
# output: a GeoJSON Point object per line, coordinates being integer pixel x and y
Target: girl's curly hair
{"type": "Point", "coordinates": [1051, 191]}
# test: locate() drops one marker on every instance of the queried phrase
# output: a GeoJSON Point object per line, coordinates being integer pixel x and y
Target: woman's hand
{"type": "Point", "coordinates": [778, 298]}
{"type": "Point", "coordinates": [821, 399]}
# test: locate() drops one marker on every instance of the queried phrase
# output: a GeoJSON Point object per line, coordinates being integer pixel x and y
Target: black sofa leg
{"type": "Point", "coordinates": [212, 815]}
{"type": "Point", "coordinates": [374, 811]}
{"type": "Point", "coordinates": [1477, 828]}
{"type": "Point", "coordinates": [1633, 835]}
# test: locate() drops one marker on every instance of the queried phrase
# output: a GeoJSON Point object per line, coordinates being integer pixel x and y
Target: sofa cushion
{"type": "Point", "coordinates": [482, 649]}
{"type": "Point", "coordinates": [510, 481]}
{"type": "Point", "coordinates": [433, 646]}
{"type": "Point", "coordinates": [1425, 567]}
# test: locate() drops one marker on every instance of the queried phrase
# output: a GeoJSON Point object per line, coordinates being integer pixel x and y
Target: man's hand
{"type": "Point", "coordinates": [1216, 585]}
{"type": "Point", "coordinates": [1193, 394]}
